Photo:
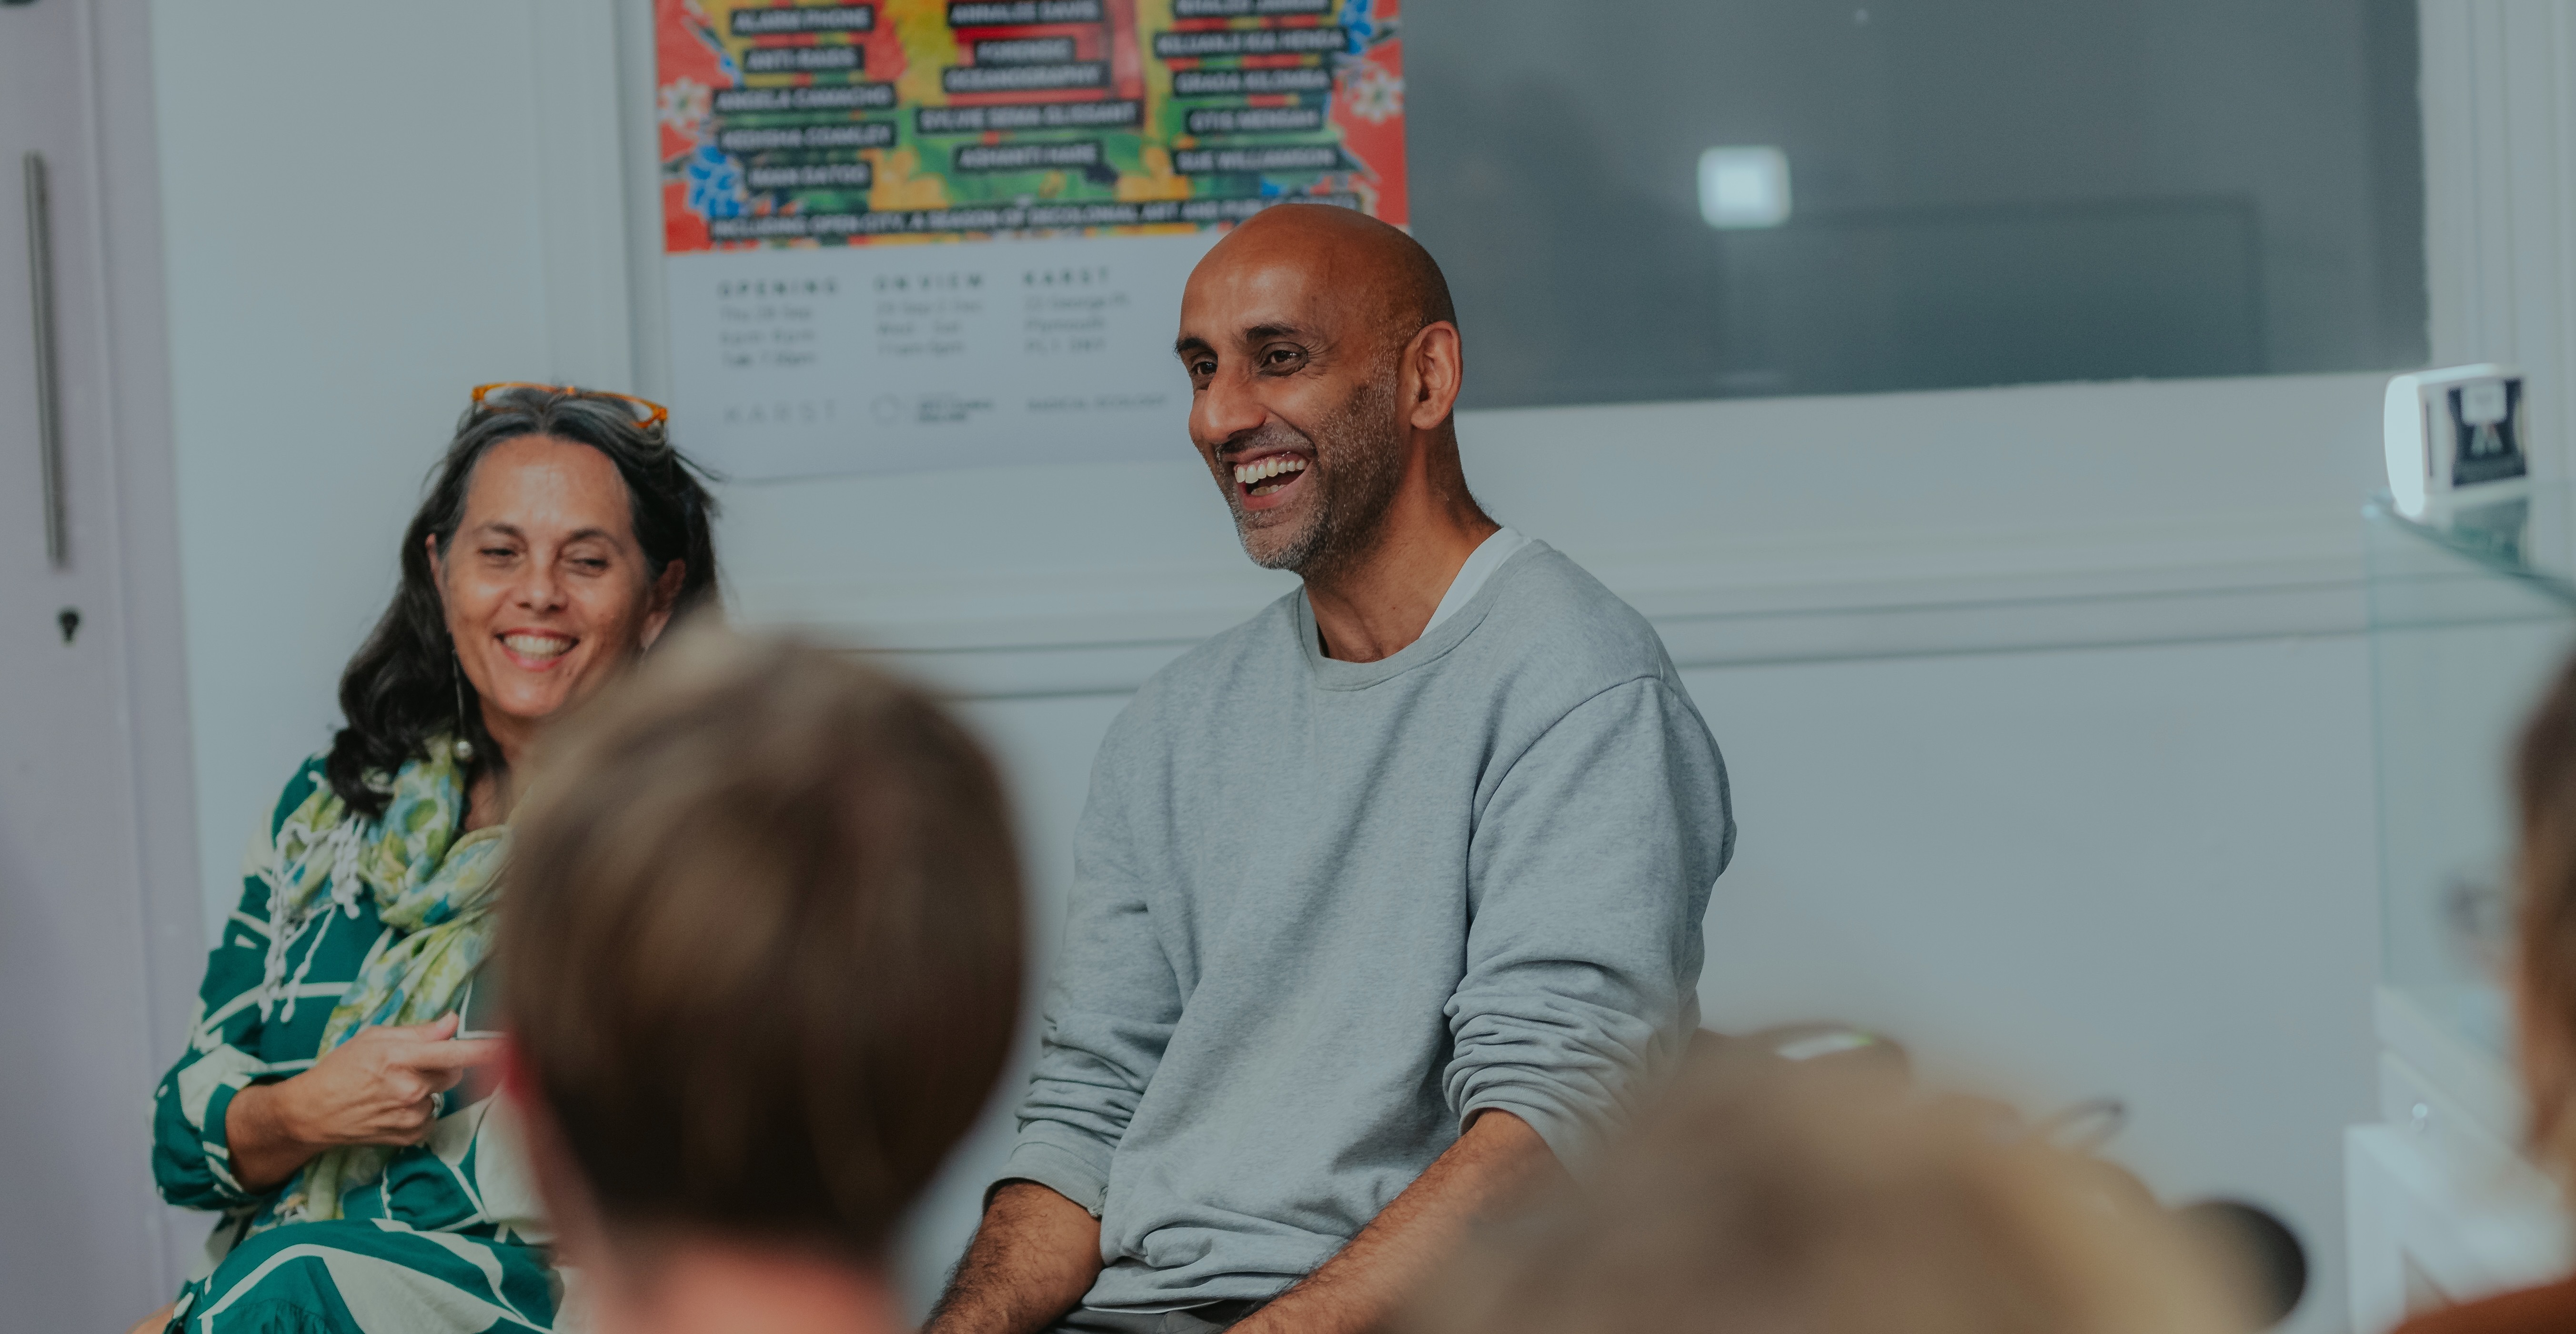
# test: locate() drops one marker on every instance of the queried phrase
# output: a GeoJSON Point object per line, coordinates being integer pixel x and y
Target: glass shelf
{"type": "Point", "coordinates": [2471, 613]}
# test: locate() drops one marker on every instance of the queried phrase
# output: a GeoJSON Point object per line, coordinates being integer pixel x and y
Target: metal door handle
{"type": "Point", "coordinates": [49, 409]}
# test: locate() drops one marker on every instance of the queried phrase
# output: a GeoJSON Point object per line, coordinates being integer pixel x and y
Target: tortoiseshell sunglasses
{"type": "Point", "coordinates": [649, 413]}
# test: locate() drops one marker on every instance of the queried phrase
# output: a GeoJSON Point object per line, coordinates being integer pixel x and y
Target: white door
{"type": "Point", "coordinates": [82, 1236]}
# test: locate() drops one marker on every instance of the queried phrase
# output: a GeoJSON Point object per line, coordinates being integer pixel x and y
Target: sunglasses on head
{"type": "Point", "coordinates": [647, 412]}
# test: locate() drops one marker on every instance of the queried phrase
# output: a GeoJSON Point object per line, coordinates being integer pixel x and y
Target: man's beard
{"type": "Point", "coordinates": [1359, 460]}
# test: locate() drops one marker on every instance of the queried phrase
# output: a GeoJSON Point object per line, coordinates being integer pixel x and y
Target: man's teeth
{"type": "Point", "coordinates": [536, 646]}
{"type": "Point", "coordinates": [1245, 474]}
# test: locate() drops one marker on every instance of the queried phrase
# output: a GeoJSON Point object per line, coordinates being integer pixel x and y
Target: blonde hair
{"type": "Point", "coordinates": [761, 947]}
{"type": "Point", "coordinates": [1764, 1196]}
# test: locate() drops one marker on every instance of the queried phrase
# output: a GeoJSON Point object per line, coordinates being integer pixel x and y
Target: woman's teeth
{"type": "Point", "coordinates": [536, 646]}
{"type": "Point", "coordinates": [1252, 475]}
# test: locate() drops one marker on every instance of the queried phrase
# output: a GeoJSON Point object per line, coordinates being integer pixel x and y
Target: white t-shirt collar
{"type": "Point", "coordinates": [1488, 557]}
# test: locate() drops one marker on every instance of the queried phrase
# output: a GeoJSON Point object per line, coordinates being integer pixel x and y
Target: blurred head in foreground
{"type": "Point", "coordinates": [761, 966]}
{"type": "Point", "coordinates": [2544, 964]}
{"type": "Point", "coordinates": [1763, 1197]}
{"type": "Point", "coordinates": [2543, 983]}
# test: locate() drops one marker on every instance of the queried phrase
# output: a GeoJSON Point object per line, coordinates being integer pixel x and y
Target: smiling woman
{"type": "Point", "coordinates": [318, 1104]}
{"type": "Point", "coordinates": [588, 510]}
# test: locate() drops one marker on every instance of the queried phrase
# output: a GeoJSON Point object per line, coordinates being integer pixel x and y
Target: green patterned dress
{"type": "Point", "coordinates": [345, 924]}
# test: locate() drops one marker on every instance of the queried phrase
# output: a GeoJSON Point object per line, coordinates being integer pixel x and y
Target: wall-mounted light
{"type": "Point", "coordinates": [1744, 187]}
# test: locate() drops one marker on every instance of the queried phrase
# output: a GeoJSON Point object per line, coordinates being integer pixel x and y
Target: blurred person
{"type": "Point", "coordinates": [761, 962]}
{"type": "Point", "coordinates": [1385, 900]}
{"type": "Point", "coordinates": [316, 1105]}
{"type": "Point", "coordinates": [1765, 1195]}
{"type": "Point", "coordinates": [2543, 984]}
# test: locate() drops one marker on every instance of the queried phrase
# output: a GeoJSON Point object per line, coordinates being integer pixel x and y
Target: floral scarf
{"type": "Point", "coordinates": [434, 889]}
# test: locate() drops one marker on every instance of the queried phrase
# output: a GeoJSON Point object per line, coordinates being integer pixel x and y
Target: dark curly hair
{"type": "Point", "coordinates": [401, 689]}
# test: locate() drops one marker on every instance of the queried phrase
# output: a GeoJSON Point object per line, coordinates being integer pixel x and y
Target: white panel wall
{"type": "Point", "coordinates": [2499, 93]}
{"type": "Point", "coordinates": [329, 314]}
{"type": "Point", "coordinates": [2139, 872]}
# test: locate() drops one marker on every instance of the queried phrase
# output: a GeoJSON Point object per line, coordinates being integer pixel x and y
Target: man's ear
{"type": "Point", "coordinates": [666, 595]}
{"type": "Point", "coordinates": [1434, 368]}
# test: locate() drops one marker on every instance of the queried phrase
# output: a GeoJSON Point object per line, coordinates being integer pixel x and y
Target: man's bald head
{"type": "Point", "coordinates": [1382, 274]}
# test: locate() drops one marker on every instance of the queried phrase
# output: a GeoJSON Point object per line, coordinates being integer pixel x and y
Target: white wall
{"type": "Point", "coordinates": [2499, 90]}
{"type": "Point", "coordinates": [2032, 762]}
{"type": "Point", "coordinates": [2137, 872]}
{"type": "Point", "coordinates": [326, 321]}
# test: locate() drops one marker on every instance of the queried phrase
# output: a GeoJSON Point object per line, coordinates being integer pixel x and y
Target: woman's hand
{"type": "Point", "coordinates": [379, 1087]}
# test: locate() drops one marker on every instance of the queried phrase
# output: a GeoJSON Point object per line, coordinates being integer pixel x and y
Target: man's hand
{"type": "Point", "coordinates": [379, 1087]}
{"type": "Point", "coordinates": [1034, 1256]}
{"type": "Point", "coordinates": [1493, 1162]}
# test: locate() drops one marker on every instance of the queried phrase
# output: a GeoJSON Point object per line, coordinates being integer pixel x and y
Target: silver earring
{"type": "Point", "coordinates": [464, 749]}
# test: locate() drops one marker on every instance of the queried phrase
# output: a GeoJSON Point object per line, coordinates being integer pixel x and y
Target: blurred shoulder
{"type": "Point", "coordinates": [2530, 1311]}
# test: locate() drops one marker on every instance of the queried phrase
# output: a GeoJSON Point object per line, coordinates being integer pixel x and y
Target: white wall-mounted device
{"type": "Point", "coordinates": [2455, 433]}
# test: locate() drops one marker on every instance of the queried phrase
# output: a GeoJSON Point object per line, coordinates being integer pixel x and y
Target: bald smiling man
{"type": "Point", "coordinates": [1385, 900]}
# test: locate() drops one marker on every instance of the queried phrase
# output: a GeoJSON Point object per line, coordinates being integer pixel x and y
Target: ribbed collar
{"type": "Point", "coordinates": [1334, 674]}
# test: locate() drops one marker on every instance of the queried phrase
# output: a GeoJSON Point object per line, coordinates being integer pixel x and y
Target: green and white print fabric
{"type": "Point", "coordinates": [346, 923]}
{"type": "Point", "coordinates": [429, 885]}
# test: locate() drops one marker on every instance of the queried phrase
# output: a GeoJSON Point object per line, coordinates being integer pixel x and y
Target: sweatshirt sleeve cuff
{"type": "Point", "coordinates": [1567, 1136]}
{"type": "Point", "coordinates": [1058, 1170]}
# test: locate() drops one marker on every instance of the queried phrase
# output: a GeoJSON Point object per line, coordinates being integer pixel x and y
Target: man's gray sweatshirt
{"type": "Point", "coordinates": [1323, 912]}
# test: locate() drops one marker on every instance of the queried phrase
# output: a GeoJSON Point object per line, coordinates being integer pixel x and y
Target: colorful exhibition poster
{"type": "Point", "coordinates": [907, 234]}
